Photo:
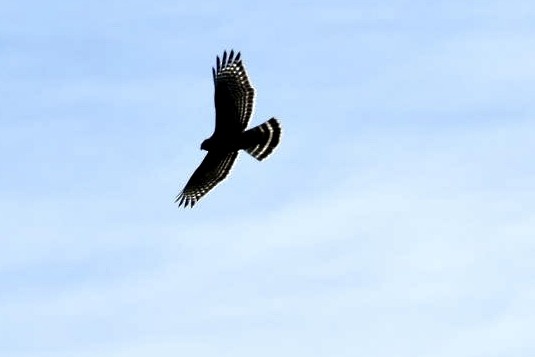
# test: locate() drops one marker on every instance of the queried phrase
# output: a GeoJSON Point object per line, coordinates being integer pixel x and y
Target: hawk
{"type": "Point", "coordinates": [234, 103]}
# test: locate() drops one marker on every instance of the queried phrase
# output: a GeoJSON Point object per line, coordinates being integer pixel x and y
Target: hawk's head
{"type": "Point", "coordinates": [206, 145]}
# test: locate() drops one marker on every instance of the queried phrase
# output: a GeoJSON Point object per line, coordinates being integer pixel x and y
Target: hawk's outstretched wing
{"type": "Point", "coordinates": [234, 95]}
{"type": "Point", "coordinates": [212, 170]}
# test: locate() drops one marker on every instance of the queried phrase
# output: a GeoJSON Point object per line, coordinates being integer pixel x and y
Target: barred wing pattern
{"type": "Point", "coordinates": [213, 169]}
{"type": "Point", "coordinates": [234, 95]}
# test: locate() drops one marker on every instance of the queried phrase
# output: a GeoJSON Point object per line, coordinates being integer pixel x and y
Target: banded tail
{"type": "Point", "coordinates": [261, 140]}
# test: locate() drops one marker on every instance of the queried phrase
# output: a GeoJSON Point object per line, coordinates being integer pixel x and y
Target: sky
{"type": "Point", "coordinates": [396, 218]}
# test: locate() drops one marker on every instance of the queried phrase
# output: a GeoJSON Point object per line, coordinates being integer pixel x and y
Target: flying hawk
{"type": "Point", "coordinates": [234, 103]}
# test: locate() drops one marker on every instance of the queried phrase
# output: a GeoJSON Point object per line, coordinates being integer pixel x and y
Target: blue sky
{"type": "Point", "coordinates": [397, 217]}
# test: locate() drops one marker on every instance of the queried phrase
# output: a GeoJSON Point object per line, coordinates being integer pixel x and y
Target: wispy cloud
{"type": "Point", "coordinates": [396, 218]}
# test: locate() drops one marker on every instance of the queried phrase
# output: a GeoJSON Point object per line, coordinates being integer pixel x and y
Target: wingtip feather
{"type": "Point", "coordinates": [224, 61]}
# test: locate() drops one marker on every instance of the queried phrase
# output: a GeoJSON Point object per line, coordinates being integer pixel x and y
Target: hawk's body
{"type": "Point", "coordinates": [234, 104]}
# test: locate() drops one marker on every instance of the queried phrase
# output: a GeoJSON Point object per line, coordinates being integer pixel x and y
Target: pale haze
{"type": "Point", "coordinates": [396, 217]}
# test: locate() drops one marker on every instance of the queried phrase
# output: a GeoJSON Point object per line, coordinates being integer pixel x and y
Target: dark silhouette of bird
{"type": "Point", "coordinates": [234, 104]}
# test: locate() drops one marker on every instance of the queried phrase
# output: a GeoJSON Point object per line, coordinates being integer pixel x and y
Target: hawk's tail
{"type": "Point", "coordinates": [261, 140]}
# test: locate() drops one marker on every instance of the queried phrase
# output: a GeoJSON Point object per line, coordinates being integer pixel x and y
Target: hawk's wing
{"type": "Point", "coordinates": [234, 95]}
{"type": "Point", "coordinates": [212, 170]}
